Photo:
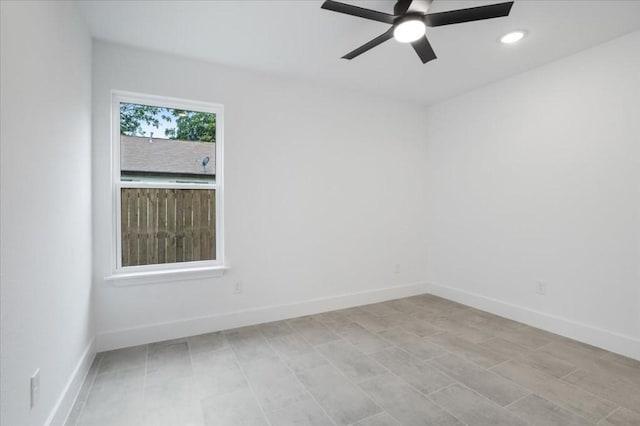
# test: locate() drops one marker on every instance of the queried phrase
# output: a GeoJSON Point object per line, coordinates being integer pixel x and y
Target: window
{"type": "Point", "coordinates": [167, 172]}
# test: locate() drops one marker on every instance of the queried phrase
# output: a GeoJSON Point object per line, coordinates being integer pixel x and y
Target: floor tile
{"type": "Point", "coordinates": [313, 331]}
{"type": "Point", "coordinates": [456, 327]}
{"type": "Point", "coordinates": [207, 342]}
{"type": "Point", "coordinates": [178, 390]}
{"type": "Point", "coordinates": [297, 353]}
{"type": "Point", "coordinates": [622, 417]}
{"type": "Point", "coordinates": [473, 408]}
{"type": "Point", "coordinates": [117, 384]}
{"type": "Point", "coordinates": [303, 413]}
{"type": "Point", "coordinates": [248, 343]}
{"type": "Point", "coordinates": [419, 327]}
{"type": "Point", "coordinates": [166, 362]}
{"type": "Point", "coordinates": [466, 349]}
{"type": "Point", "coordinates": [129, 413]}
{"type": "Point", "coordinates": [217, 373]}
{"type": "Point", "coordinates": [576, 353]}
{"type": "Point", "coordinates": [404, 403]}
{"type": "Point", "coordinates": [123, 359]}
{"type": "Point", "coordinates": [380, 309]}
{"type": "Point", "coordinates": [369, 321]}
{"type": "Point", "coordinates": [404, 306]}
{"type": "Point", "coordinates": [441, 309]}
{"type": "Point", "coordinates": [115, 398]}
{"type": "Point", "coordinates": [610, 380]}
{"type": "Point", "coordinates": [382, 419]}
{"type": "Point", "coordinates": [332, 320]}
{"type": "Point", "coordinates": [413, 344]}
{"type": "Point", "coordinates": [526, 336]}
{"type": "Point", "coordinates": [176, 401]}
{"type": "Point", "coordinates": [486, 320]}
{"type": "Point", "coordinates": [353, 363]}
{"type": "Point", "coordinates": [620, 359]}
{"type": "Point", "coordinates": [417, 373]}
{"type": "Point", "coordinates": [487, 383]}
{"type": "Point", "coordinates": [561, 393]}
{"type": "Point", "coordinates": [496, 319]}
{"type": "Point", "coordinates": [363, 339]}
{"type": "Point", "coordinates": [275, 329]}
{"type": "Point", "coordinates": [265, 368]}
{"type": "Point", "coordinates": [273, 383]}
{"type": "Point", "coordinates": [183, 414]}
{"type": "Point", "coordinates": [342, 400]}
{"type": "Point", "coordinates": [545, 362]}
{"type": "Point", "coordinates": [538, 411]}
{"type": "Point", "coordinates": [234, 409]}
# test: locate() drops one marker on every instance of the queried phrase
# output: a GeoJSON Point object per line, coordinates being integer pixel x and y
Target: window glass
{"type": "Point", "coordinates": [167, 225]}
{"type": "Point", "coordinates": [166, 144]}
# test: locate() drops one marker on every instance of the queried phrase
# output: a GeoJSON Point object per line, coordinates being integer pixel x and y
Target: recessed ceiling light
{"type": "Point", "coordinates": [513, 37]}
{"type": "Point", "coordinates": [409, 30]}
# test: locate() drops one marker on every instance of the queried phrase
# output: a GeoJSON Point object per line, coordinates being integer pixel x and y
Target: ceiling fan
{"type": "Point", "coordinates": [410, 19]}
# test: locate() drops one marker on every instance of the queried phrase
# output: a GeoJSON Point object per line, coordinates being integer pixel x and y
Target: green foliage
{"type": "Point", "coordinates": [190, 125]}
{"type": "Point", "coordinates": [193, 126]}
{"type": "Point", "coordinates": [132, 115]}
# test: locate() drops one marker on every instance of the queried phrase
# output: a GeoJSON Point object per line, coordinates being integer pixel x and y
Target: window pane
{"type": "Point", "coordinates": [166, 144]}
{"type": "Point", "coordinates": [167, 225]}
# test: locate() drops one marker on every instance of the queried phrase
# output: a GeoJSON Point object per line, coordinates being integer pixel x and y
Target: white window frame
{"type": "Point", "coordinates": [165, 271]}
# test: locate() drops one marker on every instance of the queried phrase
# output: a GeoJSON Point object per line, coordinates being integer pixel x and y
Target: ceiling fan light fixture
{"type": "Point", "coordinates": [409, 30]}
{"type": "Point", "coordinates": [513, 37]}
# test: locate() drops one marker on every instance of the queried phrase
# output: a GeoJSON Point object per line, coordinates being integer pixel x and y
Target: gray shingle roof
{"type": "Point", "coordinates": [142, 154]}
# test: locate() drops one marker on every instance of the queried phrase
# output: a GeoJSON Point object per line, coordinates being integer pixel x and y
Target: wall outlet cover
{"type": "Point", "coordinates": [541, 288]}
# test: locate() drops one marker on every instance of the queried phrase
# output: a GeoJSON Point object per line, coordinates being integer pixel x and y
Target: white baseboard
{"type": "Point", "coordinates": [67, 398]}
{"type": "Point", "coordinates": [605, 339]}
{"type": "Point", "coordinates": [193, 326]}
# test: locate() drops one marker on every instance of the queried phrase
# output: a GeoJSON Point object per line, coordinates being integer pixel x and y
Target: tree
{"type": "Point", "coordinates": [189, 125]}
{"type": "Point", "coordinates": [132, 115]}
{"type": "Point", "coordinates": [193, 126]}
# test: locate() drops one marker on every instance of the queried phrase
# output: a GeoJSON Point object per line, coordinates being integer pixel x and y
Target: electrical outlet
{"type": "Point", "coordinates": [237, 288]}
{"type": "Point", "coordinates": [396, 269]}
{"type": "Point", "coordinates": [35, 387]}
{"type": "Point", "coordinates": [541, 288]}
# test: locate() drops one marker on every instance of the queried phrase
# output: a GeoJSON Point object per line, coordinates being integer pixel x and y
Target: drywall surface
{"type": "Point", "coordinates": [46, 206]}
{"type": "Point", "coordinates": [537, 178]}
{"type": "Point", "coordinates": [324, 195]}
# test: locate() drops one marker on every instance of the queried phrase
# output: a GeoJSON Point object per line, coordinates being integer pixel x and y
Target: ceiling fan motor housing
{"type": "Point", "coordinates": [410, 16]}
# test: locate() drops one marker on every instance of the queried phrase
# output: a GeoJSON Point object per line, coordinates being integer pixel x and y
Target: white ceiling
{"type": "Point", "coordinates": [298, 39]}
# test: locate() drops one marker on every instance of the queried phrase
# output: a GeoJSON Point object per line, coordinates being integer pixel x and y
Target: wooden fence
{"type": "Point", "coordinates": [167, 225]}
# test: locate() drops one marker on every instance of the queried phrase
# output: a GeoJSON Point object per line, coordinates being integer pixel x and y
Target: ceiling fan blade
{"type": "Point", "coordinates": [467, 15]}
{"type": "Point", "coordinates": [370, 45]}
{"type": "Point", "coordinates": [419, 6]}
{"type": "Point", "coordinates": [360, 12]}
{"type": "Point", "coordinates": [402, 6]}
{"type": "Point", "coordinates": [424, 50]}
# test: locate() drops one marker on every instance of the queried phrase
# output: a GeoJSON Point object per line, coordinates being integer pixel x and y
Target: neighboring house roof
{"type": "Point", "coordinates": [143, 154]}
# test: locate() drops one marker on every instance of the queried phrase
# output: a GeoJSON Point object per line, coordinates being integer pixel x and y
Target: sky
{"type": "Point", "coordinates": [159, 132]}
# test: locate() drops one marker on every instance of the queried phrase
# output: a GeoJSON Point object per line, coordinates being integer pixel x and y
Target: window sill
{"type": "Point", "coordinates": [173, 275]}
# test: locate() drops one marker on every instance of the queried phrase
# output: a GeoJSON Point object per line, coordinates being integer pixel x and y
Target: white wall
{"type": "Point", "coordinates": [324, 195]}
{"type": "Point", "coordinates": [538, 178]}
{"type": "Point", "coordinates": [46, 207]}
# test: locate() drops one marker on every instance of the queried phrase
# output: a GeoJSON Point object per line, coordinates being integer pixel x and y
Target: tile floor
{"type": "Point", "coordinates": [421, 360]}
